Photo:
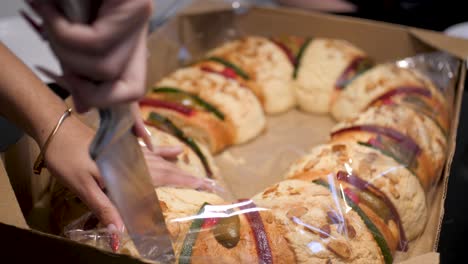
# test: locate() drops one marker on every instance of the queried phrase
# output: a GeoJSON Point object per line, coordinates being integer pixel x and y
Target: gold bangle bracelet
{"type": "Point", "coordinates": [39, 164]}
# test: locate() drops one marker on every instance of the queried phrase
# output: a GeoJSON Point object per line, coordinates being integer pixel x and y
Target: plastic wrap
{"type": "Point", "coordinates": [309, 189]}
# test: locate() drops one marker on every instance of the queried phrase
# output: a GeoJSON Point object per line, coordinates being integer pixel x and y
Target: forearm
{"type": "Point", "coordinates": [25, 100]}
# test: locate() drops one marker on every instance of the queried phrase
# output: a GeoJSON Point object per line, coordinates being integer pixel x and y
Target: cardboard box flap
{"type": "Point", "coordinates": [350, 28]}
{"type": "Point", "coordinates": [10, 212]}
{"type": "Point", "coordinates": [29, 246]}
{"type": "Point", "coordinates": [200, 31]}
{"type": "Point", "coordinates": [204, 6]}
{"type": "Point", "coordinates": [455, 46]}
{"type": "Point", "coordinates": [429, 258]}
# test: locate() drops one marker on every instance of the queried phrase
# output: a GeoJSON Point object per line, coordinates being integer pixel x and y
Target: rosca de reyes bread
{"type": "Point", "coordinates": [205, 229]}
{"type": "Point", "coordinates": [359, 198]}
{"type": "Point", "coordinates": [237, 103]}
{"type": "Point", "coordinates": [265, 65]}
{"type": "Point", "coordinates": [195, 117]}
{"type": "Point", "coordinates": [390, 84]}
{"type": "Point", "coordinates": [322, 68]}
{"type": "Point", "coordinates": [319, 227]}
{"type": "Point", "coordinates": [410, 138]}
{"type": "Point", "coordinates": [176, 203]}
{"type": "Point", "coordinates": [230, 71]}
{"type": "Point", "coordinates": [371, 168]}
{"type": "Point", "coordinates": [239, 237]}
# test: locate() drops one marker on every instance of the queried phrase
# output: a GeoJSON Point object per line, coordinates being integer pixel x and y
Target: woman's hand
{"type": "Point", "coordinates": [105, 62]}
{"type": "Point", "coordinates": [26, 101]}
{"type": "Point", "coordinates": [165, 173]}
{"type": "Point", "coordinates": [67, 158]}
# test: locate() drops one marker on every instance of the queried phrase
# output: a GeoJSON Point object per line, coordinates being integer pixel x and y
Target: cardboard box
{"type": "Point", "coordinates": [198, 30]}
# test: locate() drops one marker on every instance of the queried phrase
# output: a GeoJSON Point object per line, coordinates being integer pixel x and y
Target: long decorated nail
{"type": "Point", "coordinates": [114, 241]}
{"type": "Point", "coordinates": [34, 25]}
{"type": "Point", "coordinates": [54, 76]}
{"type": "Point", "coordinates": [32, 4]}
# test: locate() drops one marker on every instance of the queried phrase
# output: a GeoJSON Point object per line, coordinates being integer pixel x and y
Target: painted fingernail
{"type": "Point", "coordinates": [148, 142]}
{"type": "Point", "coordinates": [32, 4]}
{"type": "Point", "coordinates": [147, 131]}
{"type": "Point", "coordinates": [211, 185]}
{"type": "Point", "coordinates": [114, 241]}
{"type": "Point", "coordinates": [112, 228]}
{"type": "Point", "coordinates": [34, 25]}
{"type": "Point", "coordinates": [141, 142]}
{"type": "Point", "coordinates": [172, 149]}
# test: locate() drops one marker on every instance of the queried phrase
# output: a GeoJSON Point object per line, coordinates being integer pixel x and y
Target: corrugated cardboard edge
{"type": "Point", "coordinates": [429, 258]}
{"type": "Point", "coordinates": [204, 6]}
{"type": "Point", "coordinates": [43, 245]}
{"type": "Point", "coordinates": [10, 212]}
{"type": "Point", "coordinates": [455, 46]}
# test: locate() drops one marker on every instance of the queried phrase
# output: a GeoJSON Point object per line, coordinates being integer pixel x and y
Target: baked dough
{"type": "Point", "coordinates": [419, 128]}
{"type": "Point", "coordinates": [320, 67]}
{"type": "Point", "coordinates": [394, 180]}
{"type": "Point", "coordinates": [238, 104]}
{"type": "Point", "coordinates": [362, 92]}
{"type": "Point", "coordinates": [267, 67]}
{"type": "Point", "coordinates": [303, 208]}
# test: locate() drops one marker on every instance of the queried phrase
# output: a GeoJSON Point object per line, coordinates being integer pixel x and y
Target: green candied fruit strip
{"type": "Point", "coordinates": [187, 247]}
{"type": "Point", "coordinates": [231, 65]}
{"type": "Point", "coordinates": [202, 103]}
{"type": "Point", "coordinates": [378, 237]}
{"type": "Point", "coordinates": [165, 124]}
{"type": "Point", "coordinates": [390, 155]}
{"type": "Point", "coordinates": [300, 55]}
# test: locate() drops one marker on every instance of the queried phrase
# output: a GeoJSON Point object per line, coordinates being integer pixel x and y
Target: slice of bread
{"type": "Point", "coordinates": [323, 63]}
{"type": "Point", "coordinates": [395, 181]}
{"type": "Point", "coordinates": [266, 66]}
{"type": "Point", "coordinates": [238, 104]}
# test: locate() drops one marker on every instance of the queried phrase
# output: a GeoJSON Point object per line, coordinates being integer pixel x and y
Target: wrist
{"type": "Point", "coordinates": [39, 164]}
{"type": "Point", "coordinates": [41, 124]}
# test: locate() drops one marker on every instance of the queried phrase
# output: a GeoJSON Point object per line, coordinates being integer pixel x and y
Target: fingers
{"type": "Point", "coordinates": [87, 94]}
{"type": "Point", "coordinates": [103, 66]}
{"type": "Point", "coordinates": [129, 87]}
{"type": "Point", "coordinates": [116, 21]}
{"type": "Point", "coordinates": [91, 192]}
{"type": "Point", "coordinates": [140, 129]}
{"type": "Point", "coordinates": [169, 152]}
{"type": "Point", "coordinates": [34, 24]}
{"type": "Point", "coordinates": [105, 62]}
{"type": "Point", "coordinates": [166, 152]}
{"type": "Point", "coordinates": [100, 204]}
{"type": "Point", "coordinates": [90, 94]}
{"type": "Point", "coordinates": [54, 76]}
{"type": "Point", "coordinates": [164, 173]}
